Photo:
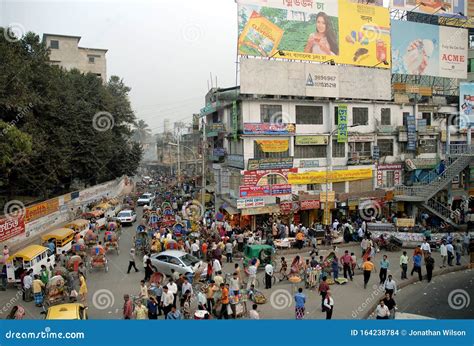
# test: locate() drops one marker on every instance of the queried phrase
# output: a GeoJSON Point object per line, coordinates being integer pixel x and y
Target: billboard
{"type": "Point", "coordinates": [342, 124]}
{"type": "Point", "coordinates": [429, 50]}
{"type": "Point", "coordinates": [268, 129]}
{"type": "Point", "coordinates": [259, 177]}
{"type": "Point", "coordinates": [466, 104]}
{"type": "Point", "coordinates": [264, 190]}
{"type": "Point", "coordinates": [11, 227]}
{"type": "Point", "coordinates": [331, 176]}
{"type": "Point", "coordinates": [272, 77]}
{"type": "Point", "coordinates": [311, 140]}
{"type": "Point", "coordinates": [343, 31]}
{"type": "Point", "coordinates": [430, 6]}
{"type": "Point", "coordinates": [270, 163]}
{"type": "Point", "coordinates": [273, 145]}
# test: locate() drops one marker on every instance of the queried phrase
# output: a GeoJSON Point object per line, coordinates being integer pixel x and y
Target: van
{"type": "Point", "coordinates": [31, 257]}
{"type": "Point", "coordinates": [61, 237]}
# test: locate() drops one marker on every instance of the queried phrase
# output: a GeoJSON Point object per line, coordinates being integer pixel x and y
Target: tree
{"type": "Point", "coordinates": [141, 132]}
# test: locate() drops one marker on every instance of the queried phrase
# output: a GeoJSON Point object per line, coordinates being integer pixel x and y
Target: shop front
{"type": "Point", "coordinates": [260, 216]}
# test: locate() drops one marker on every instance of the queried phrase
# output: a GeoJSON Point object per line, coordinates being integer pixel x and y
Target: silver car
{"type": "Point", "coordinates": [180, 261]}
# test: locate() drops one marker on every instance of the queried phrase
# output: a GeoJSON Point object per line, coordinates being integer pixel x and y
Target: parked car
{"type": "Point", "coordinates": [145, 199]}
{"type": "Point", "coordinates": [127, 216]}
{"type": "Point", "coordinates": [180, 261]}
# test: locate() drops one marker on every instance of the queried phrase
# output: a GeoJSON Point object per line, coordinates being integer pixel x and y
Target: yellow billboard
{"type": "Point", "coordinates": [311, 140]}
{"type": "Point", "coordinates": [332, 176]}
{"type": "Point", "coordinates": [42, 209]}
{"type": "Point", "coordinates": [342, 31]}
{"type": "Point", "coordinates": [273, 146]}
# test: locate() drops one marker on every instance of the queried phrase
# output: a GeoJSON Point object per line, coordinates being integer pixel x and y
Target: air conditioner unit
{"type": "Point", "coordinates": [422, 142]}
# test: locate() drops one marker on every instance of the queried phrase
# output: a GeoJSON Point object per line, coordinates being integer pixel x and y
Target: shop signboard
{"type": "Point", "coordinates": [280, 189]}
{"type": "Point", "coordinates": [327, 196]}
{"type": "Point", "coordinates": [342, 124]}
{"type": "Point", "coordinates": [268, 209]}
{"type": "Point", "coordinates": [255, 177]}
{"type": "Point", "coordinates": [236, 161]}
{"type": "Point", "coordinates": [310, 204]}
{"type": "Point", "coordinates": [11, 227]}
{"type": "Point", "coordinates": [255, 191]}
{"type": "Point", "coordinates": [311, 140]}
{"type": "Point", "coordinates": [309, 163]}
{"type": "Point", "coordinates": [270, 163]}
{"type": "Point", "coordinates": [405, 222]}
{"type": "Point", "coordinates": [42, 209]}
{"type": "Point", "coordinates": [332, 176]}
{"type": "Point", "coordinates": [273, 145]}
{"type": "Point", "coordinates": [250, 202]}
{"type": "Point", "coordinates": [411, 133]}
{"type": "Point", "coordinates": [268, 129]}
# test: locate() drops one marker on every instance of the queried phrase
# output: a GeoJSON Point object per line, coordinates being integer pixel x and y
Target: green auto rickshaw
{"type": "Point", "coordinates": [264, 253]}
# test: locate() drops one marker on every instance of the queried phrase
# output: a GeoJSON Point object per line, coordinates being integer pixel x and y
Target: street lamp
{"type": "Point", "coordinates": [328, 156]}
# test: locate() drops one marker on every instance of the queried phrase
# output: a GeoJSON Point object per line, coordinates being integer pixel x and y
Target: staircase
{"type": "Point", "coordinates": [457, 159]}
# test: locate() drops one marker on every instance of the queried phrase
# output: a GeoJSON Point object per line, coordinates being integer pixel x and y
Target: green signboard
{"type": "Point", "coordinates": [342, 124]}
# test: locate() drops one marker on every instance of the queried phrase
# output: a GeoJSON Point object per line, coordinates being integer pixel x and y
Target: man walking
{"type": "Point", "coordinates": [450, 250]}
{"type": "Point", "coordinates": [367, 267]}
{"type": "Point", "coordinates": [429, 262]}
{"type": "Point", "coordinates": [323, 289]}
{"type": "Point", "coordinates": [167, 299]}
{"type": "Point", "coordinates": [127, 307]}
{"type": "Point", "coordinates": [443, 251]}
{"type": "Point", "coordinates": [229, 248]}
{"type": "Point", "coordinates": [28, 285]}
{"type": "Point", "coordinates": [268, 276]}
{"type": "Point", "coordinates": [390, 304]}
{"type": "Point", "coordinates": [382, 312]}
{"type": "Point", "coordinates": [346, 261]}
{"type": "Point", "coordinates": [131, 261]}
{"type": "Point", "coordinates": [224, 301]}
{"type": "Point", "coordinates": [384, 264]}
{"type": "Point", "coordinates": [417, 266]}
{"type": "Point", "coordinates": [390, 286]}
{"type": "Point", "coordinates": [404, 265]}
{"type": "Point", "coordinates": [328, 305]}
{"type": "Point", "coordinates": [458, 250]}
{"type": "Point", "coordinates": [300, 300]}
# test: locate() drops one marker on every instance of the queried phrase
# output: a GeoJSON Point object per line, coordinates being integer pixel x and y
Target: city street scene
{"type": "Point", "coordinates": [248, 159]}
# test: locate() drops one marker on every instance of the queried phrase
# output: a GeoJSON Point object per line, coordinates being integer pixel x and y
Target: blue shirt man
{"type": "Point", "coordinates": [417, 260]}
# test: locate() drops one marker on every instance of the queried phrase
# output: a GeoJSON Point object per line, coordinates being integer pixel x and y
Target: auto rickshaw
{"type": "Point", "coordinates": [264, 253]}
{"type": "Point", "coordinates": [79, 226]}
{"type": "Point", "coordinates": [56, 291]}
{"type": "Point", "coordinates": [62, 239]}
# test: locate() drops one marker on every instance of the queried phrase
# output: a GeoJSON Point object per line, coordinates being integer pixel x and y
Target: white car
{"type": "Point", "coordinates": [127, 216]}
{"type": "Point", "coordinates": [145, 199]}
{"type": "Point", "coordinates": [180, 261]}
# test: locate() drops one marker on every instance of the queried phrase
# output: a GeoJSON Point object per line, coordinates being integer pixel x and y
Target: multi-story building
{"type": "Point", "coordinates": [261, 139]}
{"type": "Point", "coordinates": [65, 52]}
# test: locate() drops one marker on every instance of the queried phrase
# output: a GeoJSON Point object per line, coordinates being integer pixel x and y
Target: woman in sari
{"type": "Point", "coordinates": [296, 266]}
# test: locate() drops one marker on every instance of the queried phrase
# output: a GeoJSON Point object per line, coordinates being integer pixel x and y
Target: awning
{"type": "Point", "coordinates": [231, 210]}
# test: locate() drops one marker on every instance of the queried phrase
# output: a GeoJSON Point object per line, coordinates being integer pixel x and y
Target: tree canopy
{"type": "Point", "coordinates": [59, 130]}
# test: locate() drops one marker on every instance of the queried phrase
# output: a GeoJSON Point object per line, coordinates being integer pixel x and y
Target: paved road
{"type": "Point", "coordinates": [449, 296]}
{"type": "Point", "coordinates": [106, 290]}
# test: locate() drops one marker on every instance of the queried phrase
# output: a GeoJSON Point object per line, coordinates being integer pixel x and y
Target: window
{"type": "Point", "coordinates": [470, 63]}
{"type": "Point", "coordinates": [338, 149]}
{"type": "Point", "coordinates": [336, 111]}
{"type": "Point", "coordinates": [385, 146]}
{"type": "Point", "coordinates": [402, 148]}
{"type": "Point", "coordinates": [361, 148]}
{"type": "Point", "coordinates": [405, 117]}
{"type": "Point", "coordinates": [360, 116]}
{"type": "Point", "coordinates": [471, 41]}
{"type": "Point", "coordinates": [427, 117]}
{"type": "Point", "coordinates": [260, 154]}
{"type": "Point", "coordinates": [385, 117]}
{"type": "Point", "coordinates": [54, 44]}
{"type": "Point", "coordinates": [339, 187]}
{"type": "Point", "coordinates": [91, 59]}
{"type": "Point", "coordinates": [310, 151]}
{"type": "Point", "coordinates": [313, 187]}
{"type": "Point", "coordinates": [236, 147]}
{"type": "Point", "coordinates": [390, 179]}
{"type": "Point", "coordinates": [309, 115]}
{"type": "Point", "coordinates": [270, 114]}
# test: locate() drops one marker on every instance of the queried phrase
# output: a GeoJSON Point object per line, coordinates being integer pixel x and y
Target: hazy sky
{"type": "Point", "coordinates": [164, 50]}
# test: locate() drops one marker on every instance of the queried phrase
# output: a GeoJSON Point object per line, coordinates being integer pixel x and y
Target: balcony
{"type": "Point", "coordinates": [213, 130]}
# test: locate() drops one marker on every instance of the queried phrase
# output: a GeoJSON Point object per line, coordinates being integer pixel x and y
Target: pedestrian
{"type": "Point", "coordinates": [6, 254]}
{"type": "Point", "coordinates": [382, 312]}
{"type": "Point", "coordinates": [195, 249]}
{"type": "Point", "coordinates": [268, 276]}
{"type": "Point", "coordinates": [389, 302]}
{"type": "Point", "coordinates": [354, 263]}
{"type": "Point", "coordinates": [363, 245]}
{"type": "Point", "coordinates": [253, 314]}
{"type": "Point", "coordinates": [335, 267]}
{"type": "Point", "coordinates": [146, 256]}
{"type": "Point", "coordinates": [328, 305]}
{"type": "Point", "coordinates": [152, 307]}
{"type": "Point", "coordinates": [465, 244]}
{"type": "Point", "coordinates": [300, 300]}
{"type": "Point", "coordinates": [3, 277]}
{"type": "Point", "coordinates": [443, 251]}
{"type": "Point", "coordinates": [211, 290]}
{"type": "Point", "coordinates": [174, 314]}
{"type": "Point", "coordinates": [216, 266]}
{"type": "Point", "coordinates": [38, 287]}
{"type": "Point", "coordinates": [229, 248]}
{"type": "Point", "coordinates": [367, 267]}
{"type": "Point", "coordinates": [283, 269]}
{"type": "Point", "coordinates": [458, 251]}
{"type": "Point", "coordinates": [131, 261]}
{"type": "Point", "coordinates": [140, 312]}
{"type": "Point", "coordinates": [143, 295]}
{"type": "Point", "coordinates": [167, 299]}
{"type": "Point", "coordinates": [346, 262]}
{"type": "Point", "coordinates": [429, 263]}
{"type": "Point", "coordinates": [44, 275]}
{"type": "Point", "coordinates": [384, 264]}
{"type": "Point", "coordinates": [173, 288]}
{"type": "Point", "coordinates": [28, 285]}
{"type": "Point", "coordinates": [186, 306]}
{"type": "Point", "coordinates": [450, 250]}
{"type": "Point", "coordinates": [417, 266]}
{"type": "Point", "coordinates": [224, 302]}
{"type": "Point", "coordinates": [426, 248]}
{"type": "Point", "coordinates": [404, 265]}
{"type": "Point", "coordinates": [127, 307]}
{"type": "Point", "coordinates": [390, 286]}
{"type": "Point", "coordinates": [237, 270]}
{"type": "Point", "coordinates": [252, 272]}
{"type": "Point", "coordinates": [83, 288]}
{"type": "Point", "coordinates": [235, 284]}
{"type": "Point", "coordinates": [148, 270]}
{"type": "Point", "coordinates": [323, 288]}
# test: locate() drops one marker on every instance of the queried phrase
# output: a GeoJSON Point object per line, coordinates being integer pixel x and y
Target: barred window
{"type": "Point", "coordinates": [270, 113]}
{"type": "Point", "coordinates": [309, 115]}
{"type": "Point", "coordinates": [361, 148]}
{"type": "Point", "coordinates": [310, 151]}
{"type": "Point", "coordinates": [385, 116]}
{"type": "Point", "coordinates": [338, 149]}
{"type": "Point", "coordinates": [360, 116]}
{"type": "Point", "coordinates": [386, 147]}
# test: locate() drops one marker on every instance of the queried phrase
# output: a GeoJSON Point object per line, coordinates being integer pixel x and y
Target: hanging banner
{"type": "Point", "coordinates": [260, 177]}
{"type": "Point", "coordinates": [235, 121]}
{"type": "Point", "coordinates": [411, 133]}
{"type": "Point", "coordinates": [311, 140]}
{"type": "Point", "coordinates": [270, 163]}
{"type": "Point", "coordinates": [268, 129]}
{"type": "Point", "coordinates": [250, 203]}
{"type": "Point", "coordinates": [42, 209]}
{"type": "Point", "coordinates": [342, 124]}
{"type": "Point", "coordinates": [466, 104]}
{"type": "Point", "coordinates": [11, 227]}
{"type": "Point", "coordinates": [332, 176]}
{"type": "Point", "coordinates": [273, 146]}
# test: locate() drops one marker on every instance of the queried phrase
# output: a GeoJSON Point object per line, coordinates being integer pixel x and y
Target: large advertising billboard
{"type": "Point", "coordinates": [434, 7]}
{"type": "Point", "coordinates": [429, 50]}
{"type": "Point", "coordinates": [340, 30]}
{"type": "Point", "coordinates": [466, 104]}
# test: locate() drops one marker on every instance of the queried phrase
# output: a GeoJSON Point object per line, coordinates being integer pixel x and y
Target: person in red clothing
{"type": "Point", "coordinates": [323, 289]}
{"type": "Point", "coordinates": [204, 250]}
{"type": "Point", "coordinates": [346, 262]}
{"type": "Point", "coordinates": [127, 308]}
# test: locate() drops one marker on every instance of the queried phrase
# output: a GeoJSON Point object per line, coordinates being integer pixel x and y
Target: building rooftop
{"type": "Point", "coordinates": [58, 35]}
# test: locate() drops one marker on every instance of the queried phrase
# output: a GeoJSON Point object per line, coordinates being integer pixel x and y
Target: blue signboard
{"type": "Point", "coordinates": [411, 133]}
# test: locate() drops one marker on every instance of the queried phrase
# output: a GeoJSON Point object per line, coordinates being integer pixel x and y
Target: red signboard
{"type": "Point", "coordinates": [287, 207]}
{"type": "Point", "coordinates": [311, 204]}
{"type": "Point", "coordinates": [253, 177]}
{"type": "Point", "coordinates": [255, 191]}
{"type": "Point", "coordinates": [11, 227]}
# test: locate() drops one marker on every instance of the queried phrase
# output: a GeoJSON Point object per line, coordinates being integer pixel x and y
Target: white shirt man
{"type": "Point", "coordinates": [252, 271]}
{"type": "Point", "coordinates": [251, 240]}
{"type": "Point", "coordinates": [186, 287]}
{"type": "Point", "coordinates": [167, 298]}
{"type": "Point", "coordinates": [172, 288]}
{"type": "Point", "coordinates": [254, 315]}
{"type": "Point", "coordinates": [234, 284]}
{"type": "Point", "coordinates": [216, 266]}
{"type": "Point", "coordinates": [27, 281]}
{"type": "Point", "coordinates": [426, 247]}
{"type": "Point", "coordinates": [145, 258]}
{"type": "Point", "coordinates": [360, 232]}
{"type": "Point", "coordinates": [382, 311]}
{"type": "Point", "coordinates": [229, 247]}
{"type": "Point", "coordinates": [390, 284]}
{"type": "Point", "coordinates": [292, 229]}
{"type": "Point", "coordinates": [335, 224]}
{"type": "Point", "coordinates": [194, 248]}
{"type": "Point", "coordinates": [269, 269]}
{"type": "Point", "coordinates": [450, 248]}
{"type": "Point", "coordinates": [143, 292]}
{"type": "Point", "coordinates": [328, 302]}
{"type": "Point", "coordinates": [443, 251]}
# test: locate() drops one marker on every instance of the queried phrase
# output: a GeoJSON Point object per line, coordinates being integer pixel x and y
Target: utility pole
{"type": "Point", "coordinates": [203, 191]}
{"type": "Point", "coordinates": [179, 162]}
